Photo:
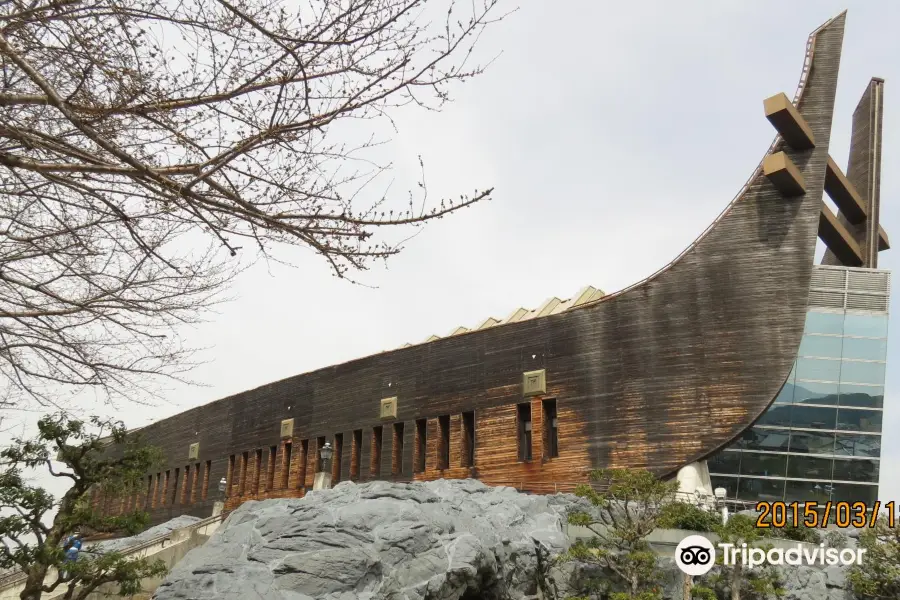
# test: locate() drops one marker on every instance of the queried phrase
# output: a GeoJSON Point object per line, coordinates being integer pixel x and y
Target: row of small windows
{"type": "Point", "coordinates": [248, 473]}
{"type": "Point", "coordinates": [753, 489]}
{"type": "Point", "coordinates": [736, 462]}
{"type": "Point", "coordinates": [239, 466]}
{"type": "Point", "coordinates": [166, 488]}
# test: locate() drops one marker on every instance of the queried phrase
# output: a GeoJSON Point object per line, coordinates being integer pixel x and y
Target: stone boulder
{"type": "Point", "coordinates": [446, 539]}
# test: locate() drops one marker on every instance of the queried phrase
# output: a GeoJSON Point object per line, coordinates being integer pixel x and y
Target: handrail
{"type": "Point", "coordinates": [15, 577]}
{"type": "Point", "coordinates": [798, 96]}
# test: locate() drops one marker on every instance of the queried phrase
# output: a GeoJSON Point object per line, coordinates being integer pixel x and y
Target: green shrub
{"type": "Point", "coordinates": [836, 539]}
{"type": "Point", "coordinates": [681, 515]}
{"type": "Point", "coordinates": [797, 533]}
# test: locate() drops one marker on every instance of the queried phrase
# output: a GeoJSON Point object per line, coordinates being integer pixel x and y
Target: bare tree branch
{"type": "Point", "coordinates": [139, 138]}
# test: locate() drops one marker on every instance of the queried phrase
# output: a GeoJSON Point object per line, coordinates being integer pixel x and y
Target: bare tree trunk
{"type": "Point", "coordinates": [34, 585]}
{"type": "Point", "coordinates": [736, 582]}
{"type": "Point", "coordinates": [686, 586]}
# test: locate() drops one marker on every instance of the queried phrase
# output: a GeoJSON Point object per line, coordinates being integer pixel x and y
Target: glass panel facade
{"type": "Point", "coordinates": [752, 488]}
{"type": "Point", "coordinates": [725, 462]}
{"type": "Point", "coordinates": [854, 371]}
{"type": "Point", "coordinates": [729, 483]}
{"type": "Point", "coordinates": [804, 491]}
{"type": "Point", "coordinates": [819, 369]}
{"type": "Point", "coordinates": [828, 346]}
{"type": "Point", "coordinates": [809, 467]}
{"type": "Point", "coordinates": [821, 438]}
{"type": "Point", "coordinates": [757, 438]}
{"type": "Point", "coordinates": [825, 322]}
{"type": "Point", "coordinates": [814, 417]}
{"type": "Point", "coordinates": [812, 442]}
{"type": "Point", "coordinates": [766, 465]}
{"type": "Point", "coordinates": [861, 395]}
{"type": "Point", "coordinates": [858, 419]}
{"type": "Point", "coordinates": [786, 395]}
{"type": "Point", "coordinates": [779, 415]}
{"type": "Point", "coordinates": [864, 348]}
{"type": "Point", "coordinates": [848, 492]}
{"type": "Point", "coordinates": [856, 470]}
{"type": "Point", "coordinates": [847, 444]}
{"type": "Point", "coordinates": [809, 392]}
{"type": "Point", "coordinates": [873, 325]}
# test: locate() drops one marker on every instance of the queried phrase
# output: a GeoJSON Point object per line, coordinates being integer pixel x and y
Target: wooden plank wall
{"type": "Point", "coordinates": [662, 374]}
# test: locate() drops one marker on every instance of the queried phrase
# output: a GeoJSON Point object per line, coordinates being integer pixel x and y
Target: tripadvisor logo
{"type": "Point", "coordinates": [695, 555]}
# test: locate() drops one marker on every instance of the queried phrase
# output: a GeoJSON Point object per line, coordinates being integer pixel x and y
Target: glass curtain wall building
{"type": "Point", "coordinates": [821, 438]}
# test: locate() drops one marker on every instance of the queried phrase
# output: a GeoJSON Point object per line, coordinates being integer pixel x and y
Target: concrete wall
{"type": "Point", "coordinates": [169, 549]}
{"type": "Point", "coordinates": [664, 541]}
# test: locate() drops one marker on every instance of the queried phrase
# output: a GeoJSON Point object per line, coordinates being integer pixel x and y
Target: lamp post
{"type": "Point", "coordinates": [322, 479]}
{"type": "Point", "coordinates": [219, 505]}
{"type": "Point", "coordinates": [720, 497]}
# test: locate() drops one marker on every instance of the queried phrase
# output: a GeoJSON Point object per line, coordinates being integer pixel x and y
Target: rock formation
{"type": "Point", "coordinates": [440, 540]}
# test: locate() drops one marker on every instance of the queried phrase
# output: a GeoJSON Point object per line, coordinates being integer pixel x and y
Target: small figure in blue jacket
{"type": "Point", "coordinates": [71, 548]}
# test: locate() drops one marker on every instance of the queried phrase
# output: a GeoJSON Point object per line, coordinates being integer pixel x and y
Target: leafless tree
{"type": "Point", "coordinates": [141, 138]}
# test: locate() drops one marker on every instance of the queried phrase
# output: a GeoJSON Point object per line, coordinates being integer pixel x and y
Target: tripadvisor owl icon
{"type": "Point", "coordinates": [695, 555]}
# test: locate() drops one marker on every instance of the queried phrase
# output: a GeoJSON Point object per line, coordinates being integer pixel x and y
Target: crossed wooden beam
{"type": "Point", "coordinates": [853, 209]}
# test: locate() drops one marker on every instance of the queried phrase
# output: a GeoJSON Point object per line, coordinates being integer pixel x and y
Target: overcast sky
{"type": "Point", "coordinates": [602, 127]}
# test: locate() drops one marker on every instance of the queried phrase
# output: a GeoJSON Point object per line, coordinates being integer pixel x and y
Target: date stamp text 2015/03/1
{"type": "Point", "coordinates": [820, 514]}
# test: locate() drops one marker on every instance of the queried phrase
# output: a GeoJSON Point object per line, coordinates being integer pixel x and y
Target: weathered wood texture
{"type": "Point", "coordinates": [864, 173]}
{"type": "Point", "coordinates": [661, 374]}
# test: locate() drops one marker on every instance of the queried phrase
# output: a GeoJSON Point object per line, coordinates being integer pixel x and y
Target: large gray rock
{"type": "Point", "coordinates": [438, 540]}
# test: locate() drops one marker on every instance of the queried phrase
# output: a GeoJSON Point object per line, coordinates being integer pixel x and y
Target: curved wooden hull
{"type": "Point", "coordinates": [658, 375]}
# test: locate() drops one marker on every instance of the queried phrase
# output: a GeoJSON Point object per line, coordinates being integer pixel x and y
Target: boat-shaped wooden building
{"type": "Point", "coordinates": [658, 375]}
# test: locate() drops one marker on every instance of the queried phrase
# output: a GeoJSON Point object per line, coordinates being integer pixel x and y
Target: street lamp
{"type": "Point", "coordinates": [327, 452]}
{"type": "Point", "coordinates": [720, 493]}
{"type": "Point", "coordinates": [219, 505]}
{"type": "Point", "coordinates": [322, 480]}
